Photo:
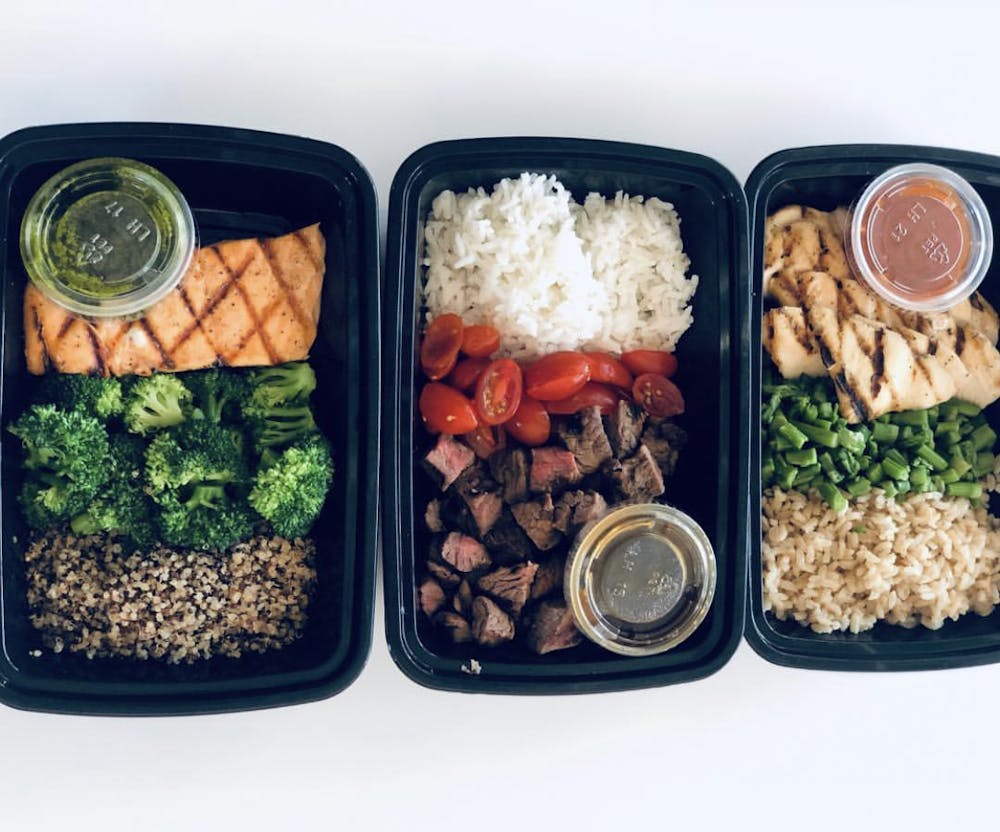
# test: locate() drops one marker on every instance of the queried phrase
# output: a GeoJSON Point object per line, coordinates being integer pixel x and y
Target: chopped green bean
{"type": "Point", "coordinates": [936, 461]}
{"type": "Point", "coordinates": [971, 490]}
{"type": "Point", "coordinates": [791, 434]}
{"type": "Point", "coordinates": [820, 436]}
{"type": "Point", "coordinates": [858, 487]}
{"type": "Point", "coordinates": [831, 494]}
{"type": "Point", "coordinates": [895, 470]}
{"type": "Point", "coordinates": [805, 456]}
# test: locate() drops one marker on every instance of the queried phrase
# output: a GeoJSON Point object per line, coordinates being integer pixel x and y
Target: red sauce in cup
{"type": "Point", "coordinates": [920, 237]}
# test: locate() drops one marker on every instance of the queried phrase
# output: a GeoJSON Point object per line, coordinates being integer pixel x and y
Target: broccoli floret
{"type": "Point", "coordinates": [93, 395]}
{"type": "Point", "coordinates": [65, 459]}
{"type": "Point", "coordinates": [197, 474]}
{"type": "Point", "coordinates": [195, 452]}
{"type": "Point", "coordinates": [290, 492]}
{"type": "Point", "coordinates": [208, 519]}
{"type": "Point", "coordinates": [156, 402]}
{"type": "Point", "coordinates": [217, 392]}
{"type": "Point", "coordinates": [122, 506]}
{"type": "Point", "coordinates": [277, 426]}
{"type": "Point", "coordinates": [293, 382]}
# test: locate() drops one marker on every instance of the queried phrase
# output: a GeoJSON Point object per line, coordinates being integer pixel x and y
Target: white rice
{"type": "Point", "coordinates": [921, 561]}
{"type": "Point", "coordinates": [551, 275]}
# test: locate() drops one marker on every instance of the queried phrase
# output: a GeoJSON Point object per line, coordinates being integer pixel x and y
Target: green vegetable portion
{"type": "Point", "coordinates": [290, 492]}
{"type": "Point", "coordinates": [195, 460]}
{"type": "Point", "coordinates": [65, 462]}
{"type": "Point", "coordinates": [806, 444]}
{"type": "Point", "coordinates": [156, 402]}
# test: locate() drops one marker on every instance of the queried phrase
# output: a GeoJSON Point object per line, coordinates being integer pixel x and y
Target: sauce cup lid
{"type": "Point", "coordinates": [107, 237]}
{"type": "Point", "coordinates": [920, 237]}
{"type": "Point", "coordinates": [640, 579]}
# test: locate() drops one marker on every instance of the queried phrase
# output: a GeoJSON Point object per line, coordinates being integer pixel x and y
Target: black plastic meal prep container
{"type": "Point", "coordinates": [710, 482]}
{"type": "Point", "coordinates": [824, 178]}
{"type": "Point", "coordinates": [239, 183]}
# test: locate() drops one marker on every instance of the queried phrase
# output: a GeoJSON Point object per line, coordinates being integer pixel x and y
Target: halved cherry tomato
{"type": "Point", "coordinates": [605, 397]}
{"type": "Point", "coordinates": [498, 391]}
{"type": "Point", "coordinates": [530, 424]}
{"type": "Point", "coordinates": [467, 373]}
{"type": "Point", "coordinates": [608, 370]}
{"type": "Point", "coordinates": [486, 440]}
{"type": "Point", "coordinates": [445, 410]}
{"type": "Point", "coordinates": [658, 395]}
{"type": "Point", "coordinates": [650, 361]}
{"type": "Point", "coordinates": [480, 341]}
{"type": "Point", "coordinates": [442, 340]}
{"type": "Point", "coordinates": [556, 376]}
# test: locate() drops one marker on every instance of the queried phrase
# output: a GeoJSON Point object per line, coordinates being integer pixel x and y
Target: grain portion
{"type": "Point", "coordinates": [86, 594]}
{"type": "Point", "coordinates": [921, 561]}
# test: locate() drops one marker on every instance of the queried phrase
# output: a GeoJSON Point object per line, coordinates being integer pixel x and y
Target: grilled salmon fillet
{"type": "Point", "coordinates": [240, 303]}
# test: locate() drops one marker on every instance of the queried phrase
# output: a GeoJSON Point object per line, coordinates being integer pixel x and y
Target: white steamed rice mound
{"type": "Point", "coordinates": [551, 275]}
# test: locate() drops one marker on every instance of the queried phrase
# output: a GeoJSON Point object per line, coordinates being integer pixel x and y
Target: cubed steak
{"type": "Point", "coordinates": [431, 596]}
{"type": "Point", "coordinates": [464, 553]}
{"type": "Point", "coordinates": [490, 624]}
{"type": "Point", "coordinates": [480, 495]}
{"type": "Point", "coordinates": [432, 517]}
{"type": "Point", "coordinates": [575, 509]}
{"type": "Point", "coordinates": [548, 577]}
{"type": "Point", "coordinates": [444, 574]}
{"type": "Point", "coordinates": [507, 541]}
{"type": "Point", "coordinates": [638, 478]}
{"type": "Point", "coordinates": [510, 469]}
{"type": "Point", "coordinates": [511, 586]}
{"type": "Point", "coordinates": [446, 461]}
{"type": "Point", "coordinates": [584, 435]}
{"type": "Point", "coordinates": [553, 470]}
{"type": "Point", "coordinates": [454, 625]}
{"type": "Point", "coordinates": [536, 518]}
{"type": "Point", "coordinates": [553, 628]}
{"type": "Point", "coordinates": [624, 428]}
{"type": "Point", "coordinates": [665, 441]}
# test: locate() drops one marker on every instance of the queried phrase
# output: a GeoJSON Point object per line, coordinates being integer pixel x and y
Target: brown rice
{"type": "Point", "coordinates": [923, 561]}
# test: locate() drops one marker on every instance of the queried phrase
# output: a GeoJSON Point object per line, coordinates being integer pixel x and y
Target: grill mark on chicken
{"type": "Point", "coordinates": [959, 340]}
{"type": "Point", "coordinates": [878, 362]}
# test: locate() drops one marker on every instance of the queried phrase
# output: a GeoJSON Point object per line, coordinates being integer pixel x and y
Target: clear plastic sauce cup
{"type": "Point", "coordinates": [920, 237]}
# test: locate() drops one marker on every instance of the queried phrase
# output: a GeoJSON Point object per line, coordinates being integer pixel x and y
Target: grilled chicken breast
{"type": "Point", "coordinates": [799, 239]}
{"type": "Point", "coordinates": [874, 368]}
{"type": "Point", "coordinates": [240, 303]}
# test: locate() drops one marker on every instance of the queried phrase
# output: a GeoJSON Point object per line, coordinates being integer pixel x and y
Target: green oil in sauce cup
{"type": "Point", "coordinates": [107, 237]}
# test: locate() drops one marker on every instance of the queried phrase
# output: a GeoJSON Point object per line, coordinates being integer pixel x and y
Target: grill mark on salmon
{"type": "Point", "coordinates": [46, 360]}
{"type": "Point", "coordinates": [292, 300]}
{"type": "Point", "coordinates": [96, 344]}
{"type": "Point", "coordinates": [64, 327]}
{"type": "Point", "coordinates": [168, 362]}
{"type": "Point", "coordinates": [258, 327]}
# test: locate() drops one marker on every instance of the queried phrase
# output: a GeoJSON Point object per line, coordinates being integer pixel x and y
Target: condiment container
{"type": "Point", "coordinates": [238, 183]}
{"type": "Point", "coordinates": [920, 236]}
{"type": "Point", "coordinates": [640, 579]}
{"type": "Point", "coordinates": [827, 177]}
{"type": "Point", "coordinates": [710, 481]}
{"type": "Point", "coordinates": [107, 236]}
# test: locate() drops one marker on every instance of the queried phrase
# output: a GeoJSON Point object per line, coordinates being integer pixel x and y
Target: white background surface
{"type": "Point", "coordinates": [753, 746]}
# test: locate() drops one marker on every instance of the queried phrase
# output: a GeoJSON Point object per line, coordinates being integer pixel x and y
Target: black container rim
{"type": "Point", "coordinates": [471, 149]}
{"type": "Point", "coordinates": [830, 161]}
{"type": "Point", "coordinates": [278, 150]}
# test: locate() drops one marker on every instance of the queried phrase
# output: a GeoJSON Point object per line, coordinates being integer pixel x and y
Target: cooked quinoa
{"type": "Point", "coordinates": [87, 594]}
